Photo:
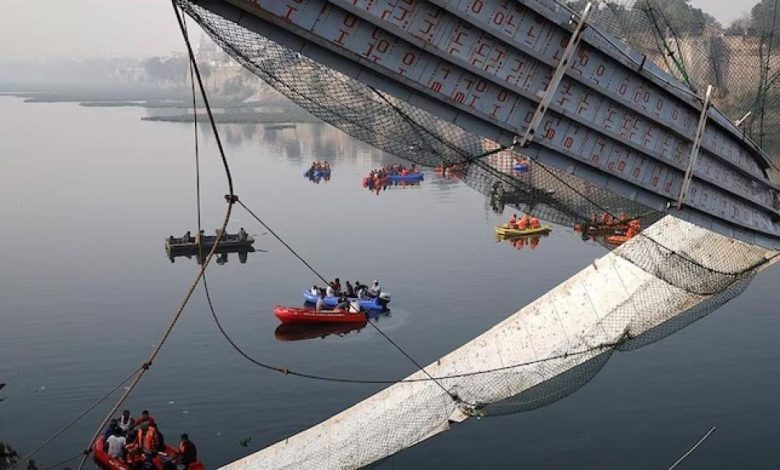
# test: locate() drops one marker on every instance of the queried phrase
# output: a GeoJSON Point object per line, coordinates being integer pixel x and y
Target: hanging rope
{"type": "Point", "coordinates": [74, 421]}
{"type": "Point", "coordinates": [231, 198]}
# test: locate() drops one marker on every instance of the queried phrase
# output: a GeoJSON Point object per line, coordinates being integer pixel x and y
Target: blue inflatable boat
{"type": "Point", "coordinates": [367, 304]}
{"type": "Point", "coordinates": [412, 177]}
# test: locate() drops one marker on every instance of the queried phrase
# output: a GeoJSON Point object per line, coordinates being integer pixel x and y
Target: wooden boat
{"type": "Point", "coordinates": [189, 244]}
{"type": "Point", "coordinates": [505, 231]}
{"type": "Point", "coordinates": [311, 315]}
{"type": "Point", "coordinates": [160, 461]}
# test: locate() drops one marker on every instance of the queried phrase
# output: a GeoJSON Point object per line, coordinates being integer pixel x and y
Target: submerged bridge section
{"type": "Point", "coordinates": [533, 76]}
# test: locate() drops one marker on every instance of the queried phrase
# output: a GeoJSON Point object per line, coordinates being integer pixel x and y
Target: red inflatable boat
{"type": "Point", "coordinates": [111, 463]}
{"type": "Point", "coordinates": [310, 315]}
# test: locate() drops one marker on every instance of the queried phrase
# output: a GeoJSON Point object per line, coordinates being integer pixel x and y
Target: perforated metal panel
{"type": "Point", "coordinates": [485, 64]}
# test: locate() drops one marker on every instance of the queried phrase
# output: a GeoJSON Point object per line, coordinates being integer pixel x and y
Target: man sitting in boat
{"type": "Point", "coordinates": [513, 221]}
{"type": "Point", "coordinates": [330, 291]}
{"type": "Point", "coordinates": [125, 421]}
{"type": "Point", "coordinates": [350, 290]}
{"type": "Point", "coordinates": [374, 290]}
{"type": "Point", "coordinates": [188, 453]}
{"type": "Point", "coordinates": [242, 235]}
{"type": "Point", "coordinates": [360, 290]}
{"type": "Point", "coordinates": [115, 445]}
{"type": "Point", "coordinates": [534, 223]}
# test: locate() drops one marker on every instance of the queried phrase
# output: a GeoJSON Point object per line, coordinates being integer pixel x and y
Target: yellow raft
{"type": "Point", "coordinates": [506, 232]}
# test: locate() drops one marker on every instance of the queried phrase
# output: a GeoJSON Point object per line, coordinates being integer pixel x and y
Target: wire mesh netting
{"type": "Point", "coordinates": [690, 274]}
{"type": "Point", "coordinates": [739, 60]}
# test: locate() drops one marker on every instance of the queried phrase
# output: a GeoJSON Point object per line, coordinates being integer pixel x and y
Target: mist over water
{"type": "Point", "coordinates": [89, 194]}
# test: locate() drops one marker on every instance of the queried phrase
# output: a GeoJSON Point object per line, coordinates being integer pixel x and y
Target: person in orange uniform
{"type": "Point", "coordinates": [523, 223]}
{"type": "Point", "coordinates": [633, 229]}
{"type": "Point", "coordinates": [513, 221]}
{"type": "Point", "coordinates": [148, 439]}
{"type": "Point", "coordinates": [534, 223]}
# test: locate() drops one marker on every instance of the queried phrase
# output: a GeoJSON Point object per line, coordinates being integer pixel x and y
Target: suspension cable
{"type": "Point", "coordinates": [231, 199]}
{"type": "Point", "coordinates": [75, 420]}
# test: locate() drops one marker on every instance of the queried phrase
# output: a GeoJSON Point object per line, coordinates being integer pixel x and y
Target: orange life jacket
{"type": "Point", "coordinates": [149, 441]}
{"type": "Point", "coordinates": [535, 223]}
{"type": "Point", "coordinates": [523, 224]}
{"type": "Point", "coordinates": [513, 222]}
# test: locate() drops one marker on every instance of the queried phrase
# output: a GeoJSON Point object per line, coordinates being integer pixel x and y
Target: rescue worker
{"type": "Point", "coordinates": [145, 418]}
{"type": "Point", "coordinates": [534, 223]}
{"type": "Point", "coordinates": [513, 221]}
{"type": "Point", "coordinates": [148, 439]}
{"type": "Point", "coordinates": [523, 223]}
{"type": "Point", "coordinates": [633, 229]}
{"type": "Point", "coordinates": [350, 290]}
{"type": "Point", "coordinates": [188, 453]}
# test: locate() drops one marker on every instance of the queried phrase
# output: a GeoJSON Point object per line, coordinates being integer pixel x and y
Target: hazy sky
{"type": "Point", "coordinates": [58, 29]}
{"type": "Point", "coordinates": [725, 11]}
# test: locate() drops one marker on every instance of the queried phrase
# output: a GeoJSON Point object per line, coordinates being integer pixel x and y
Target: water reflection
{"type": "Point", "coordinates": [532, 242]}
{"type": "Point", "coordinates": [222, 255]}
{"type": "Point", "coordinates": [297, 332]}
{"type": "Point", "coordinates": [301, 331]}
{"type": "Point", "coordinates": [301, 142]}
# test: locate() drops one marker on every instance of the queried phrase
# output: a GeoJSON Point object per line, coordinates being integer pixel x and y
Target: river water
{"type": "Point", "coordinates": [89, 195]}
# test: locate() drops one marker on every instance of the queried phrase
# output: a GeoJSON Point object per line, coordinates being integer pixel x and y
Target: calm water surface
{"type": "Point", "coordinates": [89, 194]}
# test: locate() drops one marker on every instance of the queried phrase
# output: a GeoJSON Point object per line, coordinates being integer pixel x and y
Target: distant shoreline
{"type": "Point", "coordinates": [287, 116]}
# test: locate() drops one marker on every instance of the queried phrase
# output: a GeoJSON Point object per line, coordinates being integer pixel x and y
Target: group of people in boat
{"type": "Point", "coordinates": [379, 178]}
{"type": "Point", "coordinates": [319, 166]}
{"type": "Point", "coordinates": [349, 295]}
{"type": "Point", "coordinates": [615, 230]}
{"type": "Point", "coordinates": [521, 161]}
{"type": "Point", "coordinates": [241, 236]}
{"type": "Point", "coordinates": [137, 441]}
{"type": "Point", "coordinates": [524, 223]}
{"type": "Point", "coordinates": [449, 169]}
